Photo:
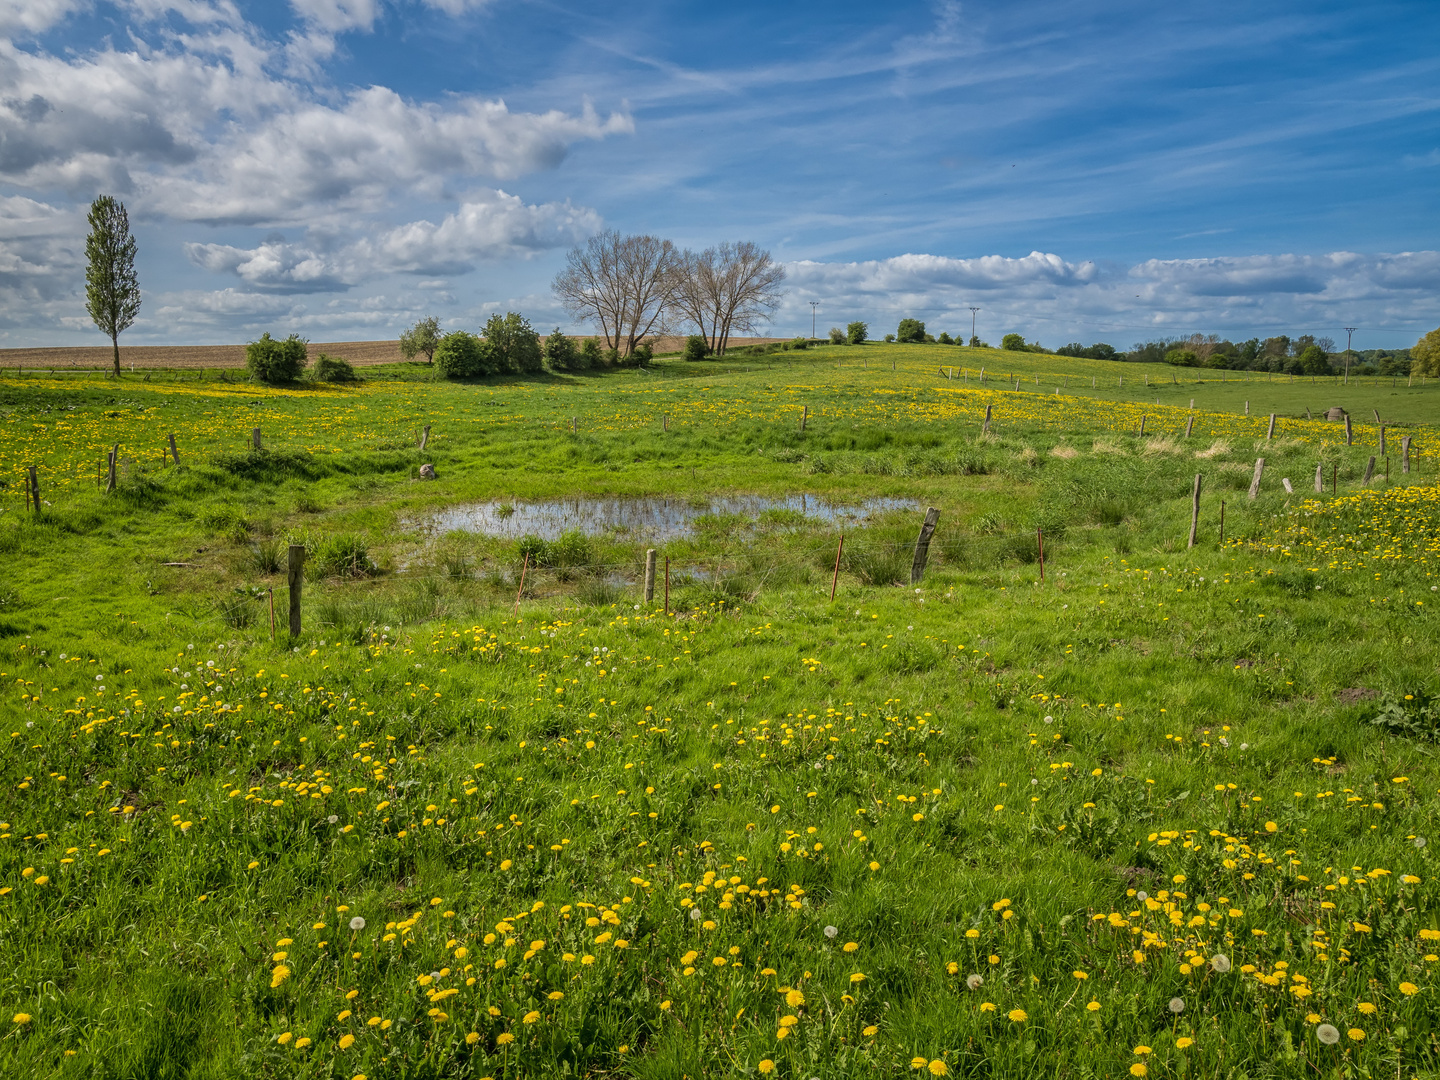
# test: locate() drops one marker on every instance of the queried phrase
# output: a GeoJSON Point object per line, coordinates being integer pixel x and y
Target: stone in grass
{"type": "Point", "coordinates": [427, 472]}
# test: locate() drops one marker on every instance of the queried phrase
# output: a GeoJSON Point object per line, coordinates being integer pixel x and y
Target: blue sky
{"type": "Point", "coordinates": [1096, 171]}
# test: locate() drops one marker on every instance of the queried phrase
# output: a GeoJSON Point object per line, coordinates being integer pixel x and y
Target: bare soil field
{"type": "Point", "coordinates": [151, 357]}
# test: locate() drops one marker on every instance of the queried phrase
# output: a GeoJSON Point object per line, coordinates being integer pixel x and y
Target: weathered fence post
{"type": "Point", "coordinates": [804, 415]}
{"type": "Point", "coordinates": [1405, 453]}
{"type": "Point", "coordinates": [1189, 425]}
{"type": "Point", "coordinates": [985, 428]}
{"type": "Point", "coordinates": [835, 580]}
{"type": "Point", "coordinates": [174, 453]}
{"type": "Point", "coordinates": [114, 464]}
{"type": "Point", "coordinates": [922, 545]}
{"type": "Point", "coordinates": [1255, 481]}
{"type": "Point", "coordinates": [1382, 440]}
{"type": "Point", "coordinates": [1320, 478]}
{"type": "Point", "coordinates": [424, 436]}
{"type": "Point", "coordinates": [1247, 408]}
{"type": "Point", "coordinates": [34, 489]}
{"type": "Point", "coordinates": [1285, 482]}
{"type": "Point", "coordinates": [1195, 511]}
{"type": "Point", "coordinates": [667, 422]}
{"type": "Point", "coordinates": [255, 438]}
{"type": "Point", "coordinates": [296, 576]}
{"type": "Point", "coordinates": [1369, 471]}
{"type": "Point", "coordinates": [1143, 418]}
{"type": "Point", "coordinates": [650, 576]}
{"type": "Point", "coordinates": [1270, 434]}
{"type": "Point", "coordinates": [1349, 437]}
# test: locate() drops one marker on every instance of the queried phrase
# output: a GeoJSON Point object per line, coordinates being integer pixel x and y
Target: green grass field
{"type": "Point", "coordinates": [1163, 813]}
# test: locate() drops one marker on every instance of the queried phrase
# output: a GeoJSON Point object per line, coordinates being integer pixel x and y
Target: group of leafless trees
{"type": "Point", "coordinates": [631, 287]}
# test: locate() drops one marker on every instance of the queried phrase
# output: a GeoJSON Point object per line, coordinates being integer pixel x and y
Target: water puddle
{"type": "Point", "coordinates": [654, 518]}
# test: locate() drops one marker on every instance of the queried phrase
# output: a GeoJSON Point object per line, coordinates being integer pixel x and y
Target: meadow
{"type": "Point", "coordinates": [1151, 810]}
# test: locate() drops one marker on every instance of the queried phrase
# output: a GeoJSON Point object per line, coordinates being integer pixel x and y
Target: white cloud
{"type": "Point", "coordinates": [338, 15]}
{"type": "Point", "coordinates": [489, 225]}
{"type": "Point", "coordinates": [1043, 294]}
{"type": "Point", "coordinates": [33, 16]}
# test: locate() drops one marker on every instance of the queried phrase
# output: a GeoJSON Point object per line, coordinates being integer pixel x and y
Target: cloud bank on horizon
{"type": "Point", "coordinates": [340, 167]}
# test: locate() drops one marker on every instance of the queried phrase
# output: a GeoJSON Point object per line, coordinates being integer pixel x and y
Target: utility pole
{"type": "Point", "coordinates": [813, 305]}
{"type": "Point", "coordinates": [1349, 331]}
{"type": "Point", "coordinates": [973, 310]}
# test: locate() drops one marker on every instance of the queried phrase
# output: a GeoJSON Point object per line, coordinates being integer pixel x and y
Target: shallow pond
{"type": "Point", "coordinates": [652, 518]}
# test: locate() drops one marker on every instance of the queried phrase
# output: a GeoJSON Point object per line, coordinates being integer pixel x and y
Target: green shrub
{"type": "Point", "coordinates": [590, 353]}
{"type": "Point", "coordinates": [1181, 358]}
{"type": "Point", "coordinates": [514, 344]}
{"type": "Point", "coordinates": [856, 333]}
{"type": "Point", "coordinates": [889, 338]}
{"type": "Point", "coordinates": [460, 355]}
{"type": "Point", "coordinates": [333, 369]}
{"type": "Point", "coordinates": [696, 347]}
{"type": "Point", "coordinates": [643, 354]}
{"type": "Point", "coordinates": [561, 353]}
{"type": "Point", "coordinates": [944, 339]}
{"type": "Point", "coordinates": [837, 336]}
{"type": "Point", "coordinates": [799, 343]}
{"type": "Point", "coordinates": [274, 361]}
{"type": "Point", "coordinates": [910, 330]}
{"type": "Point", "coordinates": [1013, 343]}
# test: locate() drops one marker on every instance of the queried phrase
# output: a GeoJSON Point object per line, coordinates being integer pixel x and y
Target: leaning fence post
{"type": "Point", "coordinates": [1271, 433]}
{"type": "Point", "coordinates": [1255, 482]}
{"type": "Point", "coordinates": [1143, 418]}
{"type": "Point", "coordinates": [1369, 471]}
{"type": "Point", "coordinates": [296, 563]}
{"type": "Point", "coordinates": [835, 580]}
{"type": "Point", "coordinates": [1189, 425]}
{"type": "Point", "coordinates": [650, 575]}
{"type": "Point", "coordinates": [922, 545]}
{"type": "Point", "coordinates": [174, 454]}
{"type": "Point", "coordinates": [1194, 512]}
{"type": "Point", "coordinates": [424, 436]}
{"type": "Point", "coordinates": [523, 569]}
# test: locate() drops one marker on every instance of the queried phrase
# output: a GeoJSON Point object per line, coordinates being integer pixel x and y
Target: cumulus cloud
{"type": "Point", "coordinates": [212, 137]}
{"type": "Point", "coordinates": [489, 225]}
{"type": "Point", "coordinates": [1045, 294]}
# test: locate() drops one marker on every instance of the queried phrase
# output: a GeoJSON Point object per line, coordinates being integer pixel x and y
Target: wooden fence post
{"type": "Point", "coordinates": [1405, 453]}
{"type": "Point", "coordinates": [1195, 512]}
{"type": "Point", "coordinates": [1285, 483]}
{"type": "Point", "coordinates": [424, 437]}
{"type": "Point", "coordinates": [985, 428]}
{"type": "Point", "coordinates": [667, 422]}
{"type": "Point", "coordinates": [34, 489]}
{"type": "Point", "coordinates": [1189, 425]}
{"type": "Point", "coordinates": [174, 453]}
{"type": "Point", "coordinates": [1349, 437]}
{"type": "Point", "coordinates": [1382, 440]}
{"type": "Point", "coordinates": [255, 438]}
{"type": "Point", "coordinates": [1369, 471]}
{"type": "Point", "coordinates": [835, 579]}
{"type": "Point", "coordinates": [650, 575]}
{"type": "Point", "coordinates": [1247, 408]}
{"type": "Point", "coordinates": [1255, 482]}
{"type": "Point", "coordinates": [1320, 478]}
{"type": "Point", "coordinates": [1270, 434]}
{"type": "Point", "coordinates": [114, 463]}
{"type": "Point", "coordinates": [1143, 418]}
{"type": "Point", "coordinates": [804, 415]}
{"type": "Point", "coordinates": [296, 576]}
{"type": "Point", "coordinates": [922, 545]}
{"type": "Point", "coordinates": [524, 568]}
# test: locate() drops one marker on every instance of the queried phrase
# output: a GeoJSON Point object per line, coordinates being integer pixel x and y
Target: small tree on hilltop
{"type": "Point", "coordinates": [1181, 358]}
{"type": "Point", "coordinates": [112, 291]}
{"type": "Point", "coordinates": [514, 343]}
{"type": "Point", "coordinates": [460, 355]}
{"type": "Point", "coordinates": [271, 361]}
{"type": "Point", "coordinates": [856, 333]}
{"type": "Point", "coordinates": [1013, 343]}
{"type": "Point", "coordinates": [561, 352]}
{"type": "Point", "coordinates": [910, 330]}
{"type": "Point", "coordinates": [1425, 355]}
{"type": "Point", "coordinates": [423, 337]}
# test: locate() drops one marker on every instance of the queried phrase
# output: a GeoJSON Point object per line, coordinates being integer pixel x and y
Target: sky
{"type": "Point", "coordinates": [1111, 170]}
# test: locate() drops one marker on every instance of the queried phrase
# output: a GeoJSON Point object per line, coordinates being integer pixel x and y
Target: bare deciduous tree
{"type": "Point", "coordinates": [727, 288]}
{"type": "Point", "coordinates": [620, 283]}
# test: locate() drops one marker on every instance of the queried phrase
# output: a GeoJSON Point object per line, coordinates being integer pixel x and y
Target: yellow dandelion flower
{"type": "Point", "coordinates": [937, 1068]}
{"type": "Point", "coordinates": [347, 1041]}
{"type": "Point", "coordinates": [1017, 1016]}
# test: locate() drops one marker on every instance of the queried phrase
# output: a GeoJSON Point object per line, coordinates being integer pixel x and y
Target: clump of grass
{"type": "Point", "coordinates": [341, 555]}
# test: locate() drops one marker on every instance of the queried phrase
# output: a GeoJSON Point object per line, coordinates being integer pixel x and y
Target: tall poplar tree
{"type": "Point", "coordinates": [112, 292]}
